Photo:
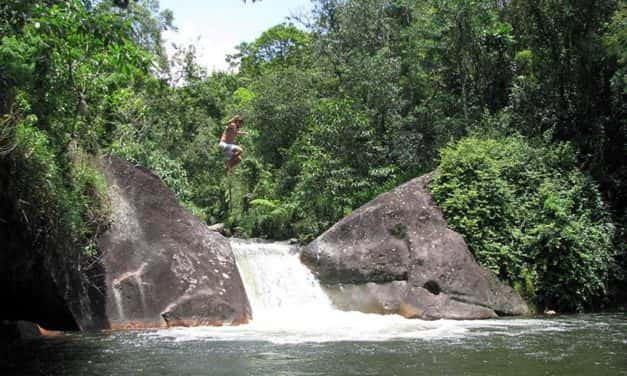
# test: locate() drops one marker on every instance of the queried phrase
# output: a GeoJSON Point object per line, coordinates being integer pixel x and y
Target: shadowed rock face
{"type": "Point", "coordinates": [163, 265]}
{"type": "Point", "coordinates": [397, 255]}
{"type": "Point", "coordinates": [42, 282]}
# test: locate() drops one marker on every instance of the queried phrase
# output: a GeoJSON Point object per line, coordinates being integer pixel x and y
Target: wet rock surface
{"type": "Point", "coordinates": [397, 252]}
{"type": "Point", "coordinates": [163, 266]}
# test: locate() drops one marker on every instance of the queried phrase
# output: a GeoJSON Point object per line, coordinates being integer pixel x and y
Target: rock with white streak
{"type": "Point", "coordinates": [163, 266]}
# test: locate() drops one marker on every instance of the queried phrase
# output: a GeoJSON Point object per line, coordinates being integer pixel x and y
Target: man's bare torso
{"type": "Point", "coordinates": [228, 136]}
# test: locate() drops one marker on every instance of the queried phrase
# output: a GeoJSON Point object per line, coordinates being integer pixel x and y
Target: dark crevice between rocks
{"type": "Point", "coordinates": [335, 283]}
{"type": "Point", "coordinates": [502, 313]}
{"type": "Point", "coordinates": [32, 296]}
{"type": "Point", "coordinates": [433, 287]}
{"type": "Point", "coordinates": [379, 278]}
{"type": "Point", "coordinates": [471, 302]}
{"type": "Point", "coordinates": [96, 276]}
{"type": "Point", "coordinates": [29, 286]}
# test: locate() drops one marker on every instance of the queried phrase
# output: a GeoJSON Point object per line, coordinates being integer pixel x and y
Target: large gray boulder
{"type": "Point", "coordinates": [397, 255]}
{"type": "Point", "coordinates": [163, 266]}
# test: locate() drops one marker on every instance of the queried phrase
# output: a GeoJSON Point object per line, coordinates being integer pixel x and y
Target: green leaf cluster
{"type": "Point", "coordinates": [61, 63]}
{"type": "Point", "coordinates": [530, 215]}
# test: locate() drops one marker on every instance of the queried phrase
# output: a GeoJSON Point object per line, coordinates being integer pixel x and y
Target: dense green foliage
{"type": "Point", "coordinates": [358, 99]}
{"type": "Point", "coordinates": [530, 215]}
{"type": "Point", "coordinates": [59, 64]}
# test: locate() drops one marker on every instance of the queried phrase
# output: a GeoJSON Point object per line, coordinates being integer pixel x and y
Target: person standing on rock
{"type": "Point", "coordinates": [232, 152]}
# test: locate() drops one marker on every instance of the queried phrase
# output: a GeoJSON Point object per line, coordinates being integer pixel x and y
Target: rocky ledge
{"type": "Point", "coordinates": [397, 255]}
{"type": "Point", "coordinates": [163, 266]}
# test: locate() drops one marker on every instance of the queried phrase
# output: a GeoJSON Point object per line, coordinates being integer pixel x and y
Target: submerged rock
{"type": "Point", "coordinates": [163, 266]}
{"type": "Point", "coordinates": [397, 255]}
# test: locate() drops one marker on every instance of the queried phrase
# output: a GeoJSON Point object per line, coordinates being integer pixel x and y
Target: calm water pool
{"type": "Point", "coordinates": [568, 345]}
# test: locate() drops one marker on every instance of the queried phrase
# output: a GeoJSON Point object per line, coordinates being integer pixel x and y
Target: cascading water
{"type": "Point", "coordinates": [290, 306]}
{"type": "Point", "coordinates": [278, 285]}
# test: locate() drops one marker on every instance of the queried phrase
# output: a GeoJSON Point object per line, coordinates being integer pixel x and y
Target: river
{"type": "Point", "coordinates": [296, 331]}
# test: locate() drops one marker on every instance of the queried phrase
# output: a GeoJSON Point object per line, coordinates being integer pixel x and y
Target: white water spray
{"type": "Point", "coordinates": [277, 283]}
{"type": "Point", "coordinates": [290, 306]}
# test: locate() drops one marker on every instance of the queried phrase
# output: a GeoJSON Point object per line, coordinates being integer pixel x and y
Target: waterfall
{"type": "Point", "coordinates": [289, 306]}
{"type": "Point", "coordinates": [277, 283]}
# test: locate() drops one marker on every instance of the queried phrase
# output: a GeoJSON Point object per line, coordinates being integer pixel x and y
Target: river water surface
{"type": "Point", "coordinates": [296, 331]}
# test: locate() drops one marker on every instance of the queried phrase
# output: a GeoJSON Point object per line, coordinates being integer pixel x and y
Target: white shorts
{"type": "Point", "coordinates": [228, 149]}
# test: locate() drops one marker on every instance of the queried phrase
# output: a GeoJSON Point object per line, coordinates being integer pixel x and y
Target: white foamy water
{"type": "Point", "coordinates": [278, 285]}
{"type": "Point", "coordinates": [290, 306]}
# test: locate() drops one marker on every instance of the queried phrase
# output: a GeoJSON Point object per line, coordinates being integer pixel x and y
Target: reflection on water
{"type": "Point", "coordinates": [569, 345]}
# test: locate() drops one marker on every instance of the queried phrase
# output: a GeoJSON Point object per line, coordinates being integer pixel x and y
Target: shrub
{"type": "Point", "coordinates": [61, 200]}
{"type": "Point", "coordinates": [267, 218]}
{"type": "Point", "coordinates": [530, 215]}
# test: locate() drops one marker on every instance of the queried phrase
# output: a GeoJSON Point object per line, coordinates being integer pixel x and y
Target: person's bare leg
{"type": "Point", "coordinates": [237, 156]}
{"type": "Point", "coordinates": [238, 152]}
{"type": "Point", "coordinates": [233, 162]}
{"type": "Point", "coordinates": [236, 160]}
